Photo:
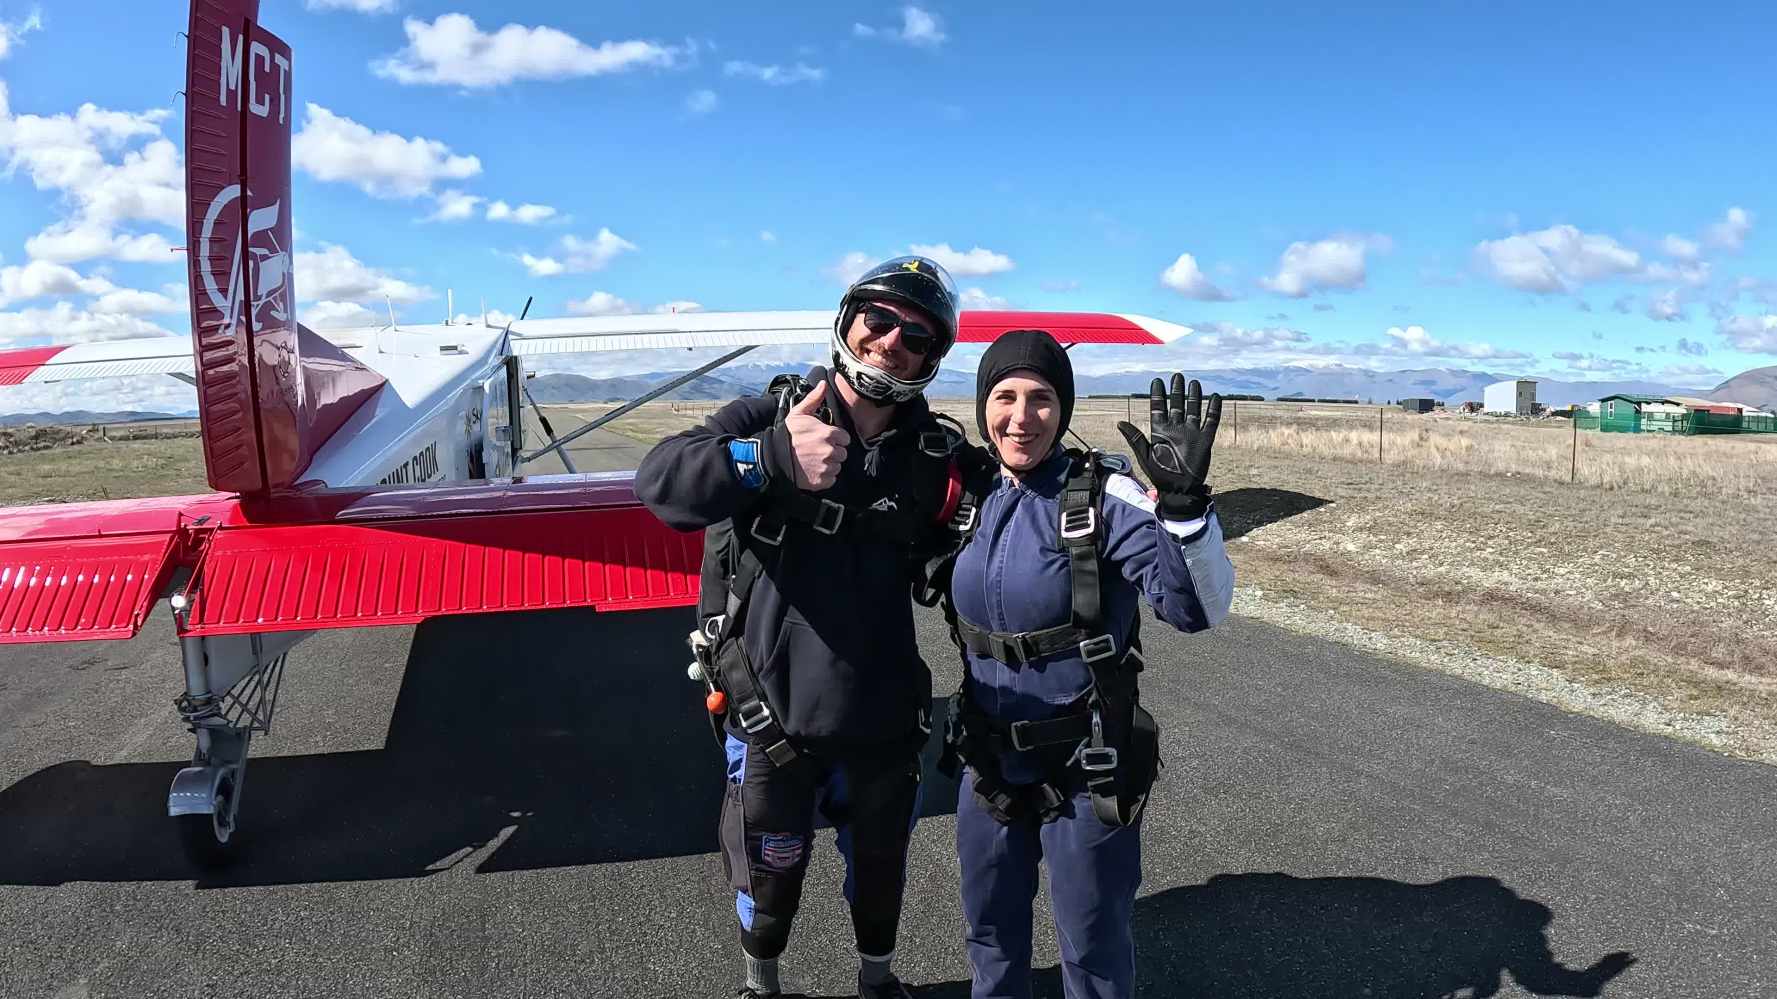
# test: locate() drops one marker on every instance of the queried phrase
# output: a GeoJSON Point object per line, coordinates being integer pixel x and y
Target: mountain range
{"type": "Point", "coordinates": [1448, 385]}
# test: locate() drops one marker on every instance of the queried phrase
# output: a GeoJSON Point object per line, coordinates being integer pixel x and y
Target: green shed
{"type": "Point", "coordinates": [1621, 413]}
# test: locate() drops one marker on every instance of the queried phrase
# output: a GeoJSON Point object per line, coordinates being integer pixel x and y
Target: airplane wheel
{"type": "Point", "coordinates": [208, 841]}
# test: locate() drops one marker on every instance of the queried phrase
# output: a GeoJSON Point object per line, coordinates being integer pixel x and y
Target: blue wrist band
{"type": "Point", "coordinates": [745, 453]}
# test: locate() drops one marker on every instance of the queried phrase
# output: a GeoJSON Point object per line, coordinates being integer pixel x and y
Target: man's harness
{"type": "Point", "coordinates": [1116, 741]}
{"type": "Point", "coordinates": [735, 556]}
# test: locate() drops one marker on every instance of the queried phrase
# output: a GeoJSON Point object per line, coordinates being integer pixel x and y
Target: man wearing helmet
{"type": "Point", "coordinates": [818, 507]}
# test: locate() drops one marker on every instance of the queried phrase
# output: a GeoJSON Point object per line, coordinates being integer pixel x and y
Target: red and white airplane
{"type": "Point", "coordinates": [373, 477]}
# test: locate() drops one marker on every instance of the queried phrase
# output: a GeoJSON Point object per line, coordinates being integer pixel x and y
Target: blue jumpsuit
{"type": "Point", "coordinates": [1013, 576]}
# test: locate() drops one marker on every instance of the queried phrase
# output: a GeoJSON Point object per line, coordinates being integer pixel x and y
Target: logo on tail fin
{"type": "Point", "coordinates": [270, 302]}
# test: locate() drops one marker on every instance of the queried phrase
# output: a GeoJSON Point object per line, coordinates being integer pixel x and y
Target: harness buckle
{"type": "Point", "coordinates": [826, 525]}
{"type": "Point", "coordinates": [1094, 649]}
{"type": "Point", "coordinates": [770, 539]}
{"type": "Point", "coordinates": [935, 443]}
{"type": "Point", "coordinates": [1017, 741]}
{"type": "Point", "coordinates": [1077, 523]}
{"type": "Point", "coordinates": [1098, 760]}
{"type": "Point", "coordinates": [963, 520]}
{"type": "Point", "coordinates": [752, 721]}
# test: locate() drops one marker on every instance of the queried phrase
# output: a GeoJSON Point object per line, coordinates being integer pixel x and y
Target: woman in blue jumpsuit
{"type": "Point", "coordinates": [1013, 580]}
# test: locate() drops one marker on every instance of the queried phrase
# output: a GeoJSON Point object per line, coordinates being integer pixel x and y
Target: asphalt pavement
{"type": "Point", "coordinates": [524, 805]}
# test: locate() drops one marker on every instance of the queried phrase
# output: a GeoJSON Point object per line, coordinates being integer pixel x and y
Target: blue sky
{"type": "Point", "coordinates": [1550, 192]}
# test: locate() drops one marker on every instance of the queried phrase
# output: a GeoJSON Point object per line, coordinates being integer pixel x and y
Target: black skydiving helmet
{"type": "Point", "coordinates": [915, 281]}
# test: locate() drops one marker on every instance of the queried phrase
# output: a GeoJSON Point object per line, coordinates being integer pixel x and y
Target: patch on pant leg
{"type": "Point", "coordinates": [781, 850]}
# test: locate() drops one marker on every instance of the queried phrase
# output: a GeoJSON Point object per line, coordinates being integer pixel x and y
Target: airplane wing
{"type": "Point", "coordinates": [338, 558]}
{"type": "Point", "coordinates": [739, 329]}
{"type": "Point", "coordinates": [100, 359]}
{"type": "Point", "coordinates": [172, 354]}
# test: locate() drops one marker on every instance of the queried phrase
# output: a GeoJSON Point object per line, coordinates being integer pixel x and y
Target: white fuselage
{"type": "Point", "coordinates": [445, 414]}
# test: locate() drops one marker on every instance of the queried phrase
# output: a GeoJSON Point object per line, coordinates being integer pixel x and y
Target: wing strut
{"type": "Point", "coordinates": [648, 396]}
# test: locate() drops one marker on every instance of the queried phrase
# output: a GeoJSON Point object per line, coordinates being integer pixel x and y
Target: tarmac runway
{"type": "Point", "coordinates": [524, 805]}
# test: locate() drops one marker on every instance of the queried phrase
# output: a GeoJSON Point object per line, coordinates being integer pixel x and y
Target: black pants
{"type": "Point", "coordinates": [767, 828]}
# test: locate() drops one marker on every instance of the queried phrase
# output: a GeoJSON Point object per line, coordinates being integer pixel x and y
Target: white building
{"type": "Point", "coordinates": [1513, 398]}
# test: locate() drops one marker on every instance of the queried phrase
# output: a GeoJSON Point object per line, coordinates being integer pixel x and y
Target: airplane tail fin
{"type": "Point", "coordinates": [270, 391]}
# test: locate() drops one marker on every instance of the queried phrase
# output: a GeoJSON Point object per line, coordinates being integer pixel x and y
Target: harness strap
{"type": "Point", "coordinates": [1020, 647]}
{"type": "Point", "coordinates": [746, 696]}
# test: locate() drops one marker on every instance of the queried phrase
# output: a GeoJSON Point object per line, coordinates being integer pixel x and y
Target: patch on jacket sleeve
{"type": "Point", "coordinates": [780, 850]}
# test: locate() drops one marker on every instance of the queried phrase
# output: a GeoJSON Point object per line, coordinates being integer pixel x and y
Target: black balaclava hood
{"type": "Point", "coordinates": [1025, 350]}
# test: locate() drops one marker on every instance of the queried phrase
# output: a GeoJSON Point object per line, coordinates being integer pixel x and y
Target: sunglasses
{"type": "Point", "coordinates": [915, 336]}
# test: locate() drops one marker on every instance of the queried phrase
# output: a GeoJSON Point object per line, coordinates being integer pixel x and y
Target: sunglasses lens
{"type": "Point", "coordinates": [914, 336]}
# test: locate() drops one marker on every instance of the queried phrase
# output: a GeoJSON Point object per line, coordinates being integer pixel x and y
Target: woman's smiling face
{"type": "Point", "coordinates": [1023, 417]}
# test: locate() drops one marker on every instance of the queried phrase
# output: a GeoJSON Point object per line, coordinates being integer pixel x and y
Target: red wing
{"type": "Point", "coordinates": [339, 558]}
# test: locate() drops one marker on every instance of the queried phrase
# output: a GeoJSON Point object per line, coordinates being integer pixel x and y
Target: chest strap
{"type": "Point", "coordinates": [1017, 648]}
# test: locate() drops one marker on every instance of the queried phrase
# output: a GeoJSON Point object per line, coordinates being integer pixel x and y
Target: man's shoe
{"type": "Point", "coordinates": [747, 992]}
{"type": "Point", "coordinates": [891, 989]}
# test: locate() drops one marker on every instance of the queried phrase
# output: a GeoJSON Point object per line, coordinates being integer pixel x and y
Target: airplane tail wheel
{"type": "Point", "coordinates": [209, 840]}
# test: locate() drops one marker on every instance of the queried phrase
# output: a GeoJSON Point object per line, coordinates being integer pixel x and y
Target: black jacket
{"type": "Point", "coordinates": [829, 626]}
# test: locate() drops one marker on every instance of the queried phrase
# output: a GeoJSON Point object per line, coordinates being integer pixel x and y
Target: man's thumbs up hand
{"type": "Point", "coordinates": [819, 448]}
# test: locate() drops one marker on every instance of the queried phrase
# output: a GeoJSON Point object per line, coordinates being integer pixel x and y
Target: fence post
{"type": "Point", "coordinates": [1573, 472]}
{"type": "Point", "coordinates": [1378, 435]}
{"type": "Point", "coordinates": [1236, 405]}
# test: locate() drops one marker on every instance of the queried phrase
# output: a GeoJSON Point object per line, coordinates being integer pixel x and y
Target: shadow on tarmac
{"type": "Point", "coordinates": [1243, 511]}
{"type": "Point", "coordinates": [1262, 936]}
{"type": "Point", "coordinates": [518, 742]}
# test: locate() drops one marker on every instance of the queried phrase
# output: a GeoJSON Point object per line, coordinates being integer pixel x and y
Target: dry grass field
{"type": "Point", "coordinates": [1645, 591]}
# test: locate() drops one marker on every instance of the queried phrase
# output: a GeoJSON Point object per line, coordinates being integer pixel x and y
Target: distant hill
{"type": "Point", "coordinates": [1757, 387]}
{"type": "Point", "coordinates": [87, 416]}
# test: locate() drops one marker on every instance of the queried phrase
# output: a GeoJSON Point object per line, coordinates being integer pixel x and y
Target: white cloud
{"type": "Point", "coordinates": [850, 267]}
{"type": "Point", "coordinates": [1730, 233]}
{"type": "Point", "coordinates": [453, 51]}
{"type": "Point", "coordinates": [600, 303]}
{"type": "Point", "coordinates": [42, 279]}
{"type": "Point", "coordinates": [382, 164]}
{"type": "Point", "coordinates": [1665, 308]}
{"type": "Point", "coordinates": [977, 262]}
{"type": "Point", "coordinates": [1336, 262]}
{"type": "Point", "coordinates": [977, 299]}
{"type": "Point", "coordinates": [1595, 363]}
{"type": "Point", "coordinates": [603, 303]}
{"type": "Point", "coordinates": [526, 214]}
{"type": "Point", "coordinates": [1680, 248]}
{"type": "Point", "coordinates": [1693, 273]}
{"type": "Point", "coordinates": [136, 302]}
{"type": "Point", "coordinates": [579, 256]}
{"type": "Point", "coordinates": [11, 32]}
{"type": "Point", "coordinates": [455, 206]}
{"type": "Point", "coordinates": [106, 184]}
{"type": "Point", "coordinates": [71, 241]}
{"type": "Point", "coordinates": [1185, 278]}
{"type": "Point", "coordinates": [1415, 341]}
{"type": "Point", "coordinates": [332, 315]}
{"type": "Point", "coordinates": [1752, 334]}
{"type": "Point", "coordinates": [918, 27]}
{"type": "Point", "coordinates": [356, 6]}
{"type": "Point", "coordinates": [702, 101]}
{"type": "Point", "coordinates": [767, 236]}
{"type": "Point", "coordinates": [595, 253]}
{"type": "Point", "coordinates": [1557, 259]}
{"type": "Point", "coordinates": [775, 75]}
{"type": "Point", "coordinates": [494, 318]}
{"type": "Point", "coordinates": [334, 275]}
{"type": "Point", "coordinates": [63, 323]}
{"type": "Point", "coordinates": [541, 266]}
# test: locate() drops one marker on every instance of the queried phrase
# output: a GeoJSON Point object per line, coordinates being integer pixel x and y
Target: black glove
{"type": "Point", "coordinates": [1177, 459]}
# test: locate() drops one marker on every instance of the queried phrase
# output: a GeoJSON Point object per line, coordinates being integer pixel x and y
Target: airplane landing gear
{"type": "Point", "coordinates": [205, 798]}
